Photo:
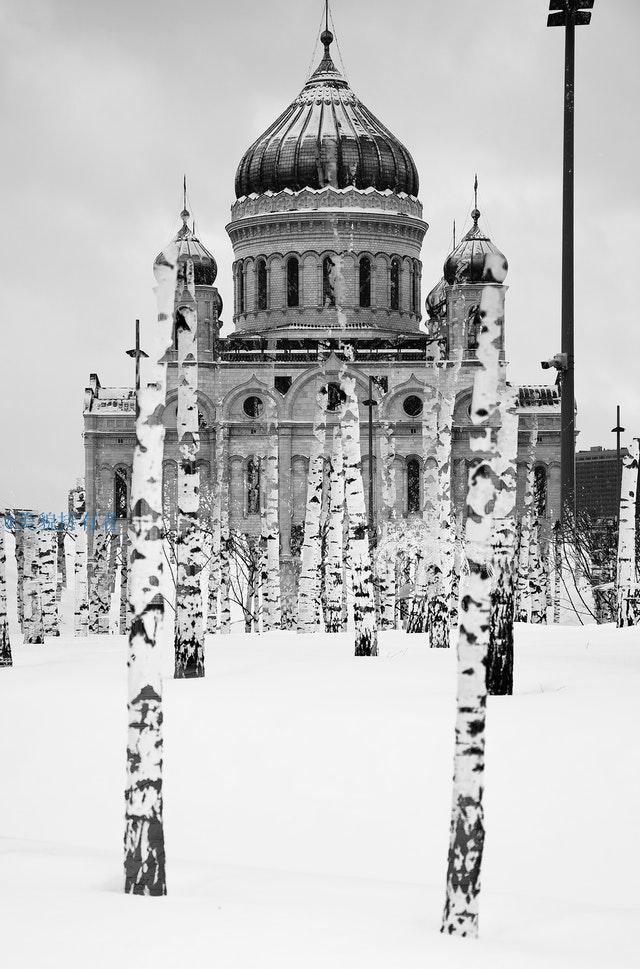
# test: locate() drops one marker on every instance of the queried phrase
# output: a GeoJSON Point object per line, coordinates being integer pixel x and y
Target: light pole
{"type": "Point", "coordinates": [568, 14]}
{"type": "Point", "coordinates": [138, 354]}
{"type": "Point", "coordinates": [617, 430]}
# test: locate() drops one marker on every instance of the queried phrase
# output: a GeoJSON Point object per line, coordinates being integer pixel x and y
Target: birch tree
{"type": "Point", "coordinates": [467, 821]}
{"type": "Point", "coordinates": [144, 854]}
{"type": "Point", "coordinates": [523, 595]}
{"type": "Point", "coordinates": [189, 629]}
{"type": "Point", "coordinates": [81, 604]}
{"type": "Point", "coordinates": [124, 572]}
{"type": "Point", "coordinates": [18, 535]}
{"type": "Point", "coordinates": [387, 548]}
{"type": "Point", "coordinates": [47, 556]}
{"type": "Point", "coordinates": [5, 642]}
{"type": "Point", "coordinates": [272, 618]}
{"type": "Point", "coordinates": [627, 589]}
{"type": "Point", "coordinates": [428, 546]}
{"type": "Point", "coordinates": [33, 628]}
{"type": "Point", "coordinates": [309, 584]}
{"type": "Point", "coordinates": [225, 537]}
{"type": "Point", "coordinates": [360, 568]}
{"type": "Point", "coordinates": [334, 565]}
{"type": "Point", "coordinates": [216, 535]}
{"type": "Point", "coordinates": [500, 655]}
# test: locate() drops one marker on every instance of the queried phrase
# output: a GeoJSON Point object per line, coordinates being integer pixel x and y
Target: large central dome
{"type": "Point", "coordinates": [326, 137]}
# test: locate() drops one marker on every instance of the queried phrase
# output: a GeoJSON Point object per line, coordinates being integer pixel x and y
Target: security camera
{"type": "Point", "coordinates": [559, 362]}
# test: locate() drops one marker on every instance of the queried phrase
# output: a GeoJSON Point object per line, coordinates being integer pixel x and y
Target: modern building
{"type": "Point", "coordinates": [327, 229]}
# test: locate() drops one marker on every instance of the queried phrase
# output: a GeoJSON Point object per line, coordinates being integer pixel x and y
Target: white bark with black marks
{"type": "Point", "coordinates": [189, 626]}
{"type": "Point", "coordinates": [523, 593]}
{"type": "Point", "coordinates": [81, 604]}
{"type": "Point", "coordinates": [5, 642]}
{"type": "Point", "coordinates": [309, 584]}
{"type": "Point", "coordinates": [48, 554]}
{"type": "Point", "coordinates": [272, 617]}
{"type": "Point", "coordinates": [467, 819]}
{"type": "Point", "coordinates": [360, 566]}
{"type": "Point", "coordinates": [225, 560]}
{"type": "Point", "coordinates": [627, 589]}
{"type": "Point", "coordinates": [386, 552]}
{"type": "Point", "coordinates": [334, 565]}
{"type": "Point", "coordinates": [144, 854]}
{"type": "Point", "coordinates": [33, 628]}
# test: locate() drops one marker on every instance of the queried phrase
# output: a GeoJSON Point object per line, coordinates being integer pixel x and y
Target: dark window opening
{"type": "Point", "coordinates": [540, 490]}
{"type": "Point", "coordinates": [415, 288]}
{"type": "Point", "coordinates": [241, 285]}
{"type": "Point", "coordinates": [253, 487]}
{"type": "Point", "coordinates": [282, 384]}
{"type": "Point", "coordinates": [253, 406]}
{"type": "Point", "coordinates": [394, 291]}
{"type": "Point", "coordinates": [121, 493]}
{"type": "Point", "coordinates": [261, 284]}
{"type": "Point", "coordinates": [365, 281]}
{"type": "Point", "coordinates": [474, 323]}
{"type": "Point", "coordinates": [328, 292]}
{"type": "Point", "coordinates": [293, 282]}
{"type": "Point", "coordinates": [412, 405]}
{"type": "Point", "coordinates": [335, 396]}
{"type": "Point", "coordinates": [413, 485]}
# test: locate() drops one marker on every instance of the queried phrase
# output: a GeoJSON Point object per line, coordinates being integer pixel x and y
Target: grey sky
{"type": "Point", "coordinates": [104, 105]}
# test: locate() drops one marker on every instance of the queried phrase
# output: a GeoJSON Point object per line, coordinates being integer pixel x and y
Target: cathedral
{"type": "Point", "coordinates": [327, 229]}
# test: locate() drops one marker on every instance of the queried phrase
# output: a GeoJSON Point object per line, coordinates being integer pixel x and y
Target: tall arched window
{"type": "Point", "coordinates": [540, 490]}
{"type": "Point", "coordinates": [415, 288]}
{"type": "Point", "coordinates": [328, 292]}
{"type": "Point", "coordinates": [121, 493]}
{"type": "Point", "coordinates": [241, 288]}
{"type": "Point", "coordinates": [261, 284]}
{"type": "Point", "coordinates": [413, 485]}
{"type": "Point", "coordinates": [364, 276]}
{"type": "Point", "coordinates": [253, 486]}
{"type": "Point", "coordinates": [394, 288]}
{"type": "Point", "coordinates": [474, 323]}
{"type": "Point", "coordinates": [293, 282]}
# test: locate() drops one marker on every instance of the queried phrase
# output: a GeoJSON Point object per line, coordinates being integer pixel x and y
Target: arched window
{"type": "Point", "coordinates": [241, 288]}
{"type": "Point", "coordinates": [413, 485]}
{"type": "Point", "coordinates": [120, 493]}
{"type": "Point", "coordinates": [394, 288]}
{"type": "Point", "coordinates": [293, 282]}
{"type": "Point", "coordinates": [540, 490]}
{"type": "Point", "coordinates": [328, 292]}
{"type": "Point", "coordinates": [365, 281]}
{"type": "Point", "coordinates": [253, 486]}
{"type": "Point", "coordinates": [261, 284]}
{"type": "Point", "coordinates": [334, 396]}
{"type": "Point", "coordinates": [473, 327]}
{"type": "Point", "coordinates": [415, 288]}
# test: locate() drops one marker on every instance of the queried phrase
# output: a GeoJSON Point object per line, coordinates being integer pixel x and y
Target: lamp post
{"type": "Point", "coordinates": [568, 14]}
{"type": "Point", "coordinates": [138, 353]}
{"type": "Point", "coordinates": [617, 430]}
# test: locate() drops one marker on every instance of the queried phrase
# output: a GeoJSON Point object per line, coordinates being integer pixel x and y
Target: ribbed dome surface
{"type": "Point", "coordinates": [205, 268]}
{"type": "Point", "coordinates": [475, 259]}
{"type": "Point", "coordinates": [326, 137]}
{"type": "Point", "coordinates": [436, 301]}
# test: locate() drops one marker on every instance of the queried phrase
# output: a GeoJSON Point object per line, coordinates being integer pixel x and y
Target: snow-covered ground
{"type": "Point", "coordinates": [307, 798]}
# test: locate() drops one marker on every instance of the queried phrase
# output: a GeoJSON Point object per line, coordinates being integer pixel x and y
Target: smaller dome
{"type": "Point", "coordinates": [475, 259]}
{"type": "Point", "coordinates": [205, 268]}
{"type": "Point", "coordinates": [436, 301]}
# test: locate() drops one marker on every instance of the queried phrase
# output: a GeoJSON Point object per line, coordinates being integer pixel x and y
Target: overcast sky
{"type": "Point", "coordinates": [105, 104]}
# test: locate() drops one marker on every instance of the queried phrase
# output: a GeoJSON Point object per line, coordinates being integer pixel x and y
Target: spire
{"type": "Point", "coordinates": [475, 215]}
{"type": "Point", "coordinates": [184, 215]}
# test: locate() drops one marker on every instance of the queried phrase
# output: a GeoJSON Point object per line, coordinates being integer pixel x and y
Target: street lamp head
{"type": "Point", "coordinates": [569, 12]}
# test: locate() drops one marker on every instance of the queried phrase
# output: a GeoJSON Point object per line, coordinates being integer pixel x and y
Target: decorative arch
{"type": "Point", "coordinates": [300, 384]}
{"type": "Point", "coordinates": [255, 385]}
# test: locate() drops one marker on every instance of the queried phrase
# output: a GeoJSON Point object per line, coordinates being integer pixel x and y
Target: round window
{"type": "Point", "coordinates": [412, 405]}
{"type": "Point", "coordinates": [253, 407]}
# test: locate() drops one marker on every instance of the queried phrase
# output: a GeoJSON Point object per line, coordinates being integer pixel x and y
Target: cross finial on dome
{"type": "Point", "coordinates": [475, 215]}
{"type": "Point", "coordinates": [184, 215]}
{"type": "Point", "coordinates": [326, 36]}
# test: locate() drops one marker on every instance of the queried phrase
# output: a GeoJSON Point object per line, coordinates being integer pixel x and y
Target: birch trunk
{"type": "Point", "coordinates": [388, 543]}
{"type": "Point", "coordinates": [124, 572]}
{"type": "Point", "coordinates": [144, 855]}
{"type": "Point", "coordinates": [335, 558]}
{"type": "Point", "coordinates": [557, 572]}
{"type": "Point", "coordinates": [523, 595]}
{"type": "Point", "coordinates": [500, 656]}
{"type": "Point", "coordinates": [428, 550]}
{"type": "Point", "coordinates": [99, 590]}
{"type": "Point", "coordinates": [364, 606]}
{"type": "Point", "coordinates": [216, 533]}
{"type": "Point", "coordinates": [81, 598]}
{"type": "Point", "coordinates": [189, 628]}
{"type": "Point", "coordinates": [18, 535]}
{"type": "Point", "coordinates": [309, 585]}
{"type": "Point", "coordinates": [33, 628]}
{"type": "Point", "coordinates": [272, 617]}
{"type": "Point", "coordinates": [467, 823]}
{"type": "Point", "coordinates": [47, 554]}
{"type": "Point", "coordinates": [627, 590]}
{"type": "Point", "coordinates": [61, 563]}
{"type": "Point", "coordinates": [5, 642]}
{"type": "Point", "coordinates": [537, 581]}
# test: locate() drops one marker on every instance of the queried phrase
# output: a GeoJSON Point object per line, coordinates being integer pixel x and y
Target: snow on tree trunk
{"type": "Point", "coordinates": [627, 590]}
{"type": "Point", "coordinates": [444, 532]}
{"type": "Point", "coordinates": [144, 855]}
{"type": "Point", "coordinates": [33, 628]}
{"type": "Point", "coordinates": [99, 589]}
{"type": "Point", "coordinates": [309, 584]}
{"type": "Point", "coordinates": [500, 656]}
{"type": "Point", "coordinates": [124, 571]}
{"type": "Point", "coordinates": [334, 563]}
{"type": "Point", "coordinates": [364, 606]}
{"type": "Point", "coordinates": [387, 547]}
{"type": "Point", "coordinates": [467, 827]}
{"type": "Point", "coordinates": [5, 642]}
{"type": "Point", "coordinates": [47, 551]}
{"type": "Point", "coordinates": [537, 571]}
{"type": "Point", "coordinates": [189, 628]}
{"type": "Point", "coordinates": [81, 599]}
{"type": "Point", "coordinates": [216, 524]}
{"type": "Point", "coordinates": [272, 616]}
{"type": "Point", "coordinates": [523, 595]}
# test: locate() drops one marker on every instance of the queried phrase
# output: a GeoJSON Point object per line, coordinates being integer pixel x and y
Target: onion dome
{"type": "Point", "coordinates": [436, 301]}
{"type": "Point", "coordinates": [326, 137]}
{"type": "Point", "coordinates": [205, 268]}
{"type": "Point", "coordinates": [475, 259]}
